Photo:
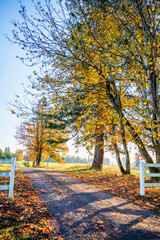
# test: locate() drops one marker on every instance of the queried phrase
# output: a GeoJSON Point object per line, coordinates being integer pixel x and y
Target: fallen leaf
{"type": "Point", "coordinates": [43, 191]}
{"type": "Point", "coordinates": [80, 210]}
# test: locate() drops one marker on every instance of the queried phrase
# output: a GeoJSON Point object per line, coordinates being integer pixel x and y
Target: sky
{"type": "Point", "coordinates": [13, 74]}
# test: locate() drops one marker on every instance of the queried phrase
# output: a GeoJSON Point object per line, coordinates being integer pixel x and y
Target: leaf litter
{"type": "Point", "coordinates": [25, 216]}
{"type": "Point", "coordinates": [123, 186]}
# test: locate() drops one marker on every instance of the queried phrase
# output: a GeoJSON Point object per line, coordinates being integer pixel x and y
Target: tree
{"type": "Point", "coordinates": [18, 154]}
{"type": "Point", "coordinates": [7, 152]}
{"type": "Point", "coordinates": [46, 78]}
{"type": "Point", "coordinates": [130, 50]}
{"type": "Point", "coordinates": [71, 46]}
{"type": "Point", "coordinates": [2, 155]}
{"type": "Point", "coordinates": [39, 139]}
{"type": "Point", "coordinates": [140, 52]}
{"type": "Point", "coordinates": [75, 111]}
{"type": "Point", "coordinates": [117, 47]}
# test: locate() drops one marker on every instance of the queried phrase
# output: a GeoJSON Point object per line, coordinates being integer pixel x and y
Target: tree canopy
{"type": "Point", "coordinates": [101, 59]}
{"type": "Point", "coordinates": [38, 137]}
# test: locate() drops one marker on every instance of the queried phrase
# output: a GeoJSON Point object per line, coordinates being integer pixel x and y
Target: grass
{"type": "Point", "coordinates": [56, 166]}
{"type": "Point", "coordinates": [5, 167]}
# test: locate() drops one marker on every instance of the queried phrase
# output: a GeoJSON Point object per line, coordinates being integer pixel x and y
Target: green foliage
{"type": "Point", "coordinates": [8, 153]}
{"type": "Point", "coordinates": [2, 155]}
{"type": "Point", "coordinates": [76, 159]}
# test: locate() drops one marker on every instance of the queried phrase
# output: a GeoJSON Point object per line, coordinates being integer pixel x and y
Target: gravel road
{"type": "Point", "coordinates": [81, 211]}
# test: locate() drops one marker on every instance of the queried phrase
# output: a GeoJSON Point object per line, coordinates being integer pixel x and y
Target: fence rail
{"type": "Point", "coordinates": [143, 175]}
{"type": "Point", "coordinates": [10, 174]}
{"type": "Point", "coordinates": [6, 161]}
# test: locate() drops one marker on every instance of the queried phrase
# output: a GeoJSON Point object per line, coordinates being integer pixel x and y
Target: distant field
{"type": "Point", "coordinates": [57, 166]}
{"type": "Point", "coordinates": [5, 167]}
{"type": "Point", "coordinates": [76, 167]}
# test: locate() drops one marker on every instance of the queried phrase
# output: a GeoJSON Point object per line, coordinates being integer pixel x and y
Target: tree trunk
{"type": "Point", "coordinates": [98, 153]}
{"type": "Point", "coordinates": [157, 153]}
{"type": "Point", "coordinates": [128, 171]}
{"type": "Point", "coordinates": [123, 171]}
{"type": "Point", "coordinates": [38, 159]}
{"type": "Point", "coordinates": [121, 168]}
{"type": "Point", "coordinates": [37, 162]}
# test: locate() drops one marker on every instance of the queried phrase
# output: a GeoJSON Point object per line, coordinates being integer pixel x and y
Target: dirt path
{"type": "Point", "coordinates": [81, 211]}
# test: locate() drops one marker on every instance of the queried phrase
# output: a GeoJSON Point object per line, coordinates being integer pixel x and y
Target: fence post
{"type": "Point", "coordinates": [11, 184]}
{"type": "Point", "coordinates": [142, 189]}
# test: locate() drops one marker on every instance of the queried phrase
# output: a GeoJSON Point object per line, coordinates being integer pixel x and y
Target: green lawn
{"type": "Point", "coordinates": [5, 167]}
{"type": "Point", "coordinates": [57, 166]}
{"type": "Point", "coordinates": [75, 167]}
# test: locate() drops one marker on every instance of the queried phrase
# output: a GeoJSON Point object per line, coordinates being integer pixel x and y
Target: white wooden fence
{"type": "Point", "coordinates": [143, 175]}
{"type": "Point", "coordinates": [10, 174]}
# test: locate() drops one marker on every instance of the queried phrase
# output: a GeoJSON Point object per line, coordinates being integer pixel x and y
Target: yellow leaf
{"type": "Point", "coordinates": [100, 222]}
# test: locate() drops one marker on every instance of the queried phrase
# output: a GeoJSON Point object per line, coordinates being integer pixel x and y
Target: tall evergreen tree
{"type": "Point", "coordinates": [2, 155]}
{"type": "Point", "coordinates": [8, 153]}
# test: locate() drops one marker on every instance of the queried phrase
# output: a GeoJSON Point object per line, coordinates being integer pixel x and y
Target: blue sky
{"type": "Point", "coordinates": [12, 74]}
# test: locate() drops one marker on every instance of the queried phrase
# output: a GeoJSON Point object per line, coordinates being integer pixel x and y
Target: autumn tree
{"type": "Point", "coordinates": [18, 154]}
{"type": "Point", "coordinates": [72, 43]}
{"type": "Point", "coordinates": [115, 41]}
{"type": "Point", "coordinates": [132, 67]}
{"type": "Point", "coordinates": [81, 111]}
{"type": "Point", "coordinates": [138, 49]}
{"type": "Point", "coordinates": [40, 140]}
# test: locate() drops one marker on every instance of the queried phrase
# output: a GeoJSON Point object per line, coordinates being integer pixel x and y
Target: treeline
{"type": "Point", "coordinates": [77, 159]}
{"type": "Point", "coordinates": [6, 154]}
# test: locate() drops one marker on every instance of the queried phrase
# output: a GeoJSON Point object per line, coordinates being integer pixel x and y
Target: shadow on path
{"type": "Point", "coordinates": [82, 211]}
